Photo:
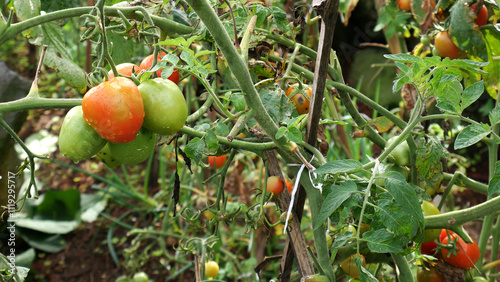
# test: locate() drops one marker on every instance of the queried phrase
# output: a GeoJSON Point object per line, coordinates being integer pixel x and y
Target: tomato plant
{"type": "Point", "coordinates": [135, 151]}
{"type": "Point", "coordinates": [217, 161]}
{"type": "Point", "coordinates": [78, 140]}
{"type": "Point", "coordinates": [404, 5]}
{"type": "Point", "coordinates": [274, 185]}
{"type": "Point", "coordinates": [429, 275]}
{"type": "Point", "coordinates": [299, 99]}
{"type": "Point", "coordinates": [465, 256]}
{"type": "Point", "coordinates": [164, 105]}
{"type": "Point", "coordinates": [429, 208]}
{"type": "Point", "coordinates": [482, 17]}
{"type": "Point", "coordinates": [114, 109]}
{"type": "Point", "coordinates": [211, 269]}
{"type": "Point", "coordinates": [445, 46]}
{"type": "Point", "coordinates": [349, 266]}
{"type": "Point", "coordinates": [124, 69]}
{"type": "Point", "coordinates": [147, 62]}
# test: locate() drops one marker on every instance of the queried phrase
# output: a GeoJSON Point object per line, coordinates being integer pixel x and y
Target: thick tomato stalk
{"type": "Point", "coordinates": [148, 62]}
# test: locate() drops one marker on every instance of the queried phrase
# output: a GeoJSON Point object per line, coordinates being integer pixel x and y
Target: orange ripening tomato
{"type": "Point", "coordinates": [114, 109]}
{"type": "Point", "coordinates": [289, 185]}
{"type": "Point", "coordinates": [124, 69]}
{"type": "Point", "coordinates": [274, 185]}
{"type": "Point", "coordinates": [350, 268]}
{"type": "Point", "coordinates": [404, 5]}
{"type": "Point", "coordinates": [445, 45]}
{"type": "Point", "coordinates": [299, 99]}
{"type": "Point", "coordinates": [217, 161]}
{"type": "Point", "coordinates": [148, 62]}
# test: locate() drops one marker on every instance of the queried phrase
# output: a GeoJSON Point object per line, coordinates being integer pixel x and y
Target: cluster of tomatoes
{"type": "Point", "coordinates": [444, 45]}
{"type": "Point", "coordinates": [118, 121]}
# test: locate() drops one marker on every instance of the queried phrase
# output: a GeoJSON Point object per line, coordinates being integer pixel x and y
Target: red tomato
{"type": "Point", "coordinates": [431, 275]}
{"type": "Point", "coordinates": [482, 18]}
{"type": "Point", "coordinates": [445, 46]}
{"type": "Point", "coordinates": [148, 62]}
{"type": "Point", "coordinates": [114, 109]}
{"type": "Point", "coordinates": [124, 69]}
{"type": "Point", "coordinates": [466, 256]}
{"type": "Point", "coordinates": [404, 5]}
{"type": "Point", "coordinates": [299, 99]}
{"type": "Point", "coordinates": [428, 248]}
{"type": "Point", "coordinates": [274, 185]}
{"type": "Point", "coordinates": [218, 161]}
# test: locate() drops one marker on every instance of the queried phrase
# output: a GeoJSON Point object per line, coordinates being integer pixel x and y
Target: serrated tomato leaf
{"type": "Point", "coordinates": [471, 135]}
{"type": "Point", "coordinates": [337, 196]}
{"type": "Point", "coordinates": [339, 166]}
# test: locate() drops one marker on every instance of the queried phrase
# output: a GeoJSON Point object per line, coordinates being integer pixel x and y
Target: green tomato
{"type": "Point", "coordinates": [135, 151]}
{"type": "Point", "coordinates": [140, 277]}
{"type": "Point", "coordinates": [77, 139]}
{"type": "Point", "coordinates": [401, 154]}
{"type": "Point", "coordinates": [105, 156]}
{"type": "Point", "coordinates": [430, 209]}
{"type": "Point", "coordinates": [164, 105]}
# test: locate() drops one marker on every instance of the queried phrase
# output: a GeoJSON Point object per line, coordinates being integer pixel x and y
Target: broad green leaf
{"type": "Point", "coordinates": [448, 94]}
{"type": "Point", "coordinates": [337, 196]}
{"type": "Point", "coordinates": [381, 241]}
{"type": "Point", "coordinates": [281, 132]}
{"type": "Point", "coordinates": [187, 57]}
{"type": "Point", "coordinates": [495, 116]}
{"type": "Point", "coordinates": [58, 58]}
{"type": "Point", "coordinates": [494, 185]}
{"type": "Point", "coordinates": [48, 226]}
{"type": "Point", "coordinates": [92, 205]}
{"type": "Point", "coordinates": [279, 17]}
{"type": "Point", "coordinates": [471, 135]}
{"type": "Point", "coordinates": [404, 58]}
{"type": "Point", "coordinates": [395, 219]}
{"type": "Point", "coordinates": [294, 134]}
{"type": "Point", "coordinates": [194, 149]}
{"type": "Point", "coordinates": [471, 94]}
{"type": "Point", "coordinates": [404, 194]}
{"type": "Point", "coordinates": [222, 128]}
{"type": "Point", "coordinates": [211, 141]}
{"type": "Point", "coordinates": [429, 155]}
{"type": "Point", "coordinates": [339, 166]}
{"type": "Point", "coordinates": [61, 205]}
{"type": "Point", "coordinates": [27, 9]}
{"type": "Point", "coordinates": [50, 243]}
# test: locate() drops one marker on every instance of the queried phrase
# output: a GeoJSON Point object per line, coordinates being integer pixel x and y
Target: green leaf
{"type": "Point", "coordinates": [494, 185]}
{"type": "Point", "coordinates": [404, 58]}
{"type": "Point", "coordinates": [339, 166]}
{"type": "Point", "coordinates": [279, 17]}
{"type": "Point", "coordinates": [404, 194]}
{"type": "Point", "coordinates": [281, 132]}
{"type": "Point", "coordinates": [50, 243]}
{"type": "Point", "coordinates": [448, 94]}
{"type": "Point", "coordinates": [471, 135]}
{"type": "Point", "coordinates": [492, 76]}
{"type": "Point", "coordinates": [61, 205]}
{"type": "Point", "coordinates": [211, 141]}
{"type": "Point", "coordinates": [187, 57]}
{"type": "Point", "coordinates": [471, 94]}
{"type": "Point", "coordinates": [48, 226]}
{"type": "Point", "coordinates": [92, 205]}
{"type": "Point", "coordinates": [337, 196]}
{"type": "Point", "coordinates": [381, 241]}
{"type": "Point", "coordinates": [222, 128]}
{"type": "Point", "coordinates": [429, 155]}
{"type": "Point", "coordinates": [495, 116]}
{"type": "Point", "coordinates": [194, 149]}
{"type": "Point", "coordinates": [294, 134]}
